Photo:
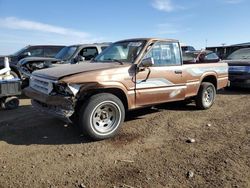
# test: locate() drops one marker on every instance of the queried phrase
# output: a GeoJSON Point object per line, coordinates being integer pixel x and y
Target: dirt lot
{"type": "Point", "coordinates": [150, 151]}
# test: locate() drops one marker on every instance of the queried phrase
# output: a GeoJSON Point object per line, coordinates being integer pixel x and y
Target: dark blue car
{"type": "Point", "coordinates": [239, 68]}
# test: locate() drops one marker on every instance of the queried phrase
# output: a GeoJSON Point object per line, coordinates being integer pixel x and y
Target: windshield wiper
{"type": "Point", "coordinates": [116, 60]}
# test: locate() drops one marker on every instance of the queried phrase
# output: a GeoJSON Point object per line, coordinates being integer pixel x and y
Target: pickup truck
{"type": "Point", "coordinates": [128, 75]}
{"type": "Point", "coordinates": [68, 55]}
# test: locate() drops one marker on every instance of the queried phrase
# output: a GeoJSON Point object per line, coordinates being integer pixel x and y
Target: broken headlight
{"type": "Point", "coordinates": [66, 89]}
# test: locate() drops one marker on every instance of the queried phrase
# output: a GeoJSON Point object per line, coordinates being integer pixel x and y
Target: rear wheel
{"type": "Point", "coordinates": [206, 96]}
{"type": "Point", "coordinates": [102, 116]}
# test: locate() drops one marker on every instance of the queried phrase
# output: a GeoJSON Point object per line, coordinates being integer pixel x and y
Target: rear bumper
{"type": "Point", "coordinates": [58, 106]}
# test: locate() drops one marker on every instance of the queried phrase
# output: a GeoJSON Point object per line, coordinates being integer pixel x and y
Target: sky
{"type": "Point", "coordinates": [199, 23]}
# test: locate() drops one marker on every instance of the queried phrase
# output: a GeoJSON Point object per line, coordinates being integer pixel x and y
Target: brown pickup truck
{"type": "Point", "coordinates": [129, 74]}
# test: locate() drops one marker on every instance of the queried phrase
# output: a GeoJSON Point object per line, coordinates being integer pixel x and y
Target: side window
{"type": "Point", "coordinates": [51, 51]}
{"type": "Point", "coordinates": [36, 52]}
{"type": "Point", "coordinates": [89, 53]}
{"type": "Point", "coordinates": [165, 54]}
{"type": "Point", "coordinates": [211, 56]}
{"type": "Point", "coordinates": [191, 48]}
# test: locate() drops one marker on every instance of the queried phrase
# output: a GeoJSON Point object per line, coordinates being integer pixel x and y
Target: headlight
{"type": "Point", "coordinates": [74, 88]}
{"type": "Point", "coordinates": [239, 68]}
{"type": "Point", "coordinates": [248, 69]}
{"type": "Point", "coordinates": [66, 89]}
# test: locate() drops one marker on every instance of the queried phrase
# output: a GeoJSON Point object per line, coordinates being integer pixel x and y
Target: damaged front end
{"type": "Point", "coordinates": [53, 97]}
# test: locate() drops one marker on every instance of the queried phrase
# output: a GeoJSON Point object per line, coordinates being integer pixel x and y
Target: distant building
{"type": "Point", "coordinates": [224, 51]}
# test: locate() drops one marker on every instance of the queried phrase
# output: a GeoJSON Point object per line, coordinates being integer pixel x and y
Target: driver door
{"type": "Point", "coordinates": [163, 81]}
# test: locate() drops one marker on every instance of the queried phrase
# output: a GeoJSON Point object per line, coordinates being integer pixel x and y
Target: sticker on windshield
{"type": "Point", "coordinates": [134, 44]}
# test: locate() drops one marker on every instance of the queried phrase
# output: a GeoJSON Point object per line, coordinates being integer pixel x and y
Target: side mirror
{"type": "Point", "coordinates": [81, 58]}
{"type": "Point", "coordinates": [26, 54]}
{"type": "Point", "coordinates": [148, 62]}
{"type": "Point", "coordinates": [78, 59]}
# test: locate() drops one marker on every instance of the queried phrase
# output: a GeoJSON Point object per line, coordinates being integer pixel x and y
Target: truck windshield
{"type": "Point", "coordinates": [240, 54]}
{"type": "Point", "coordinates": [125, 51]}
{"type": "Point", "coordinates": [66, 53]}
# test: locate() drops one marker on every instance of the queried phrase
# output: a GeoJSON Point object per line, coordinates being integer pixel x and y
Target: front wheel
{"type": "Point", "coordinates": [206, 96]}
{"type": "Point", "coordinates": [102, 116]}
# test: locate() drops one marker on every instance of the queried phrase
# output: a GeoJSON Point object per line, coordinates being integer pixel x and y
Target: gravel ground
{"type": "Point", "coordinates": [167, 146]}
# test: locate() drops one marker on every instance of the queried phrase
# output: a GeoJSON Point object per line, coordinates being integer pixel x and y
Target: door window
{"type": "Point", "coordinates": [51, 51]}
{"type": "Point", "coordinates": [165, 54]}
{"type": "Point", "coordinates": [89, 53]}
{"type": "Point", "coordinates": [35, 52]}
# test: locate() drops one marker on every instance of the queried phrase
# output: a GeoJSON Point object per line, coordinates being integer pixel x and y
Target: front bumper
{"type": "Point", "coordinates": [58, 106]}
{"type": "Point", "coordinates": [240, 80]}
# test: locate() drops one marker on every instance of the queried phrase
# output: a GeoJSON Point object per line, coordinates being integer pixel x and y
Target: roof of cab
{"type": "Point", "coordinates": [94, 44]}
{"type": "Point", "coordinates": [149, 39]}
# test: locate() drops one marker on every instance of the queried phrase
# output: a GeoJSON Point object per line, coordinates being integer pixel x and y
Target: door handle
{"type": "Point", "coordinates": [178, 71]}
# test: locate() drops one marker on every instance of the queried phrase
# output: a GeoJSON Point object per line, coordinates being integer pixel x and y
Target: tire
{"type": "Point", "coordinates": [206, 96]}
{"type": "Point", "coordinates": [10, 103]}
{"type": "Point", "coordinates": [14, 74]}
{"type": "Point", "coordinates": [101, 116]}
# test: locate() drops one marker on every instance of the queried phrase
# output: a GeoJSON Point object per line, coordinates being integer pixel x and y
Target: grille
{"type": "Point", "coordinates": [41, 84]}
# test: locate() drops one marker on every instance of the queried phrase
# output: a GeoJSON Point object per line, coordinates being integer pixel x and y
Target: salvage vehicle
{"type": "Point", "coordinates": [68, 55]}
{"type": "Point", "coordinates": [10, 88]}
{"type": "Point", "coordinates": [200, 56]}
{"type": "Point", "coordinates": [239, 68]}
{"type": "Point", "coordinates": [128, 75]}
{"type": "Point", "coordinates": [29, 51]}
{"type": "Point", "coordinates": [185, 48]}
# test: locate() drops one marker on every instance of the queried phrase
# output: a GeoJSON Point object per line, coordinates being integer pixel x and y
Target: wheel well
{"type": "Point", "coordinates": [16, 71]}
{"type": "Point", "coordinates": [211, 79]}
{"type": "Point", "coordinates": [115, 91]}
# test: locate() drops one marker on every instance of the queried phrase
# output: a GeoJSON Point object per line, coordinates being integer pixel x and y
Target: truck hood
{"type": "Point", "coordinates": [59, 72]}
{"type": "Point", "coordinates": [238, 62]}
{"type": "Point", "coordinates": [29, 59]}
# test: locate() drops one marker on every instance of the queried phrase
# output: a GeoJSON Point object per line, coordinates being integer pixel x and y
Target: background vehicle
{"type": "Point", "coordinates": [200, 56]}
{"type": "Point", "coordinates": [31, 51]}
{"type": "Point", "coordinates": [187, 48]}
{"type": "Point", "coordinates": [129, 74]}
{"type": "Point", "coordinates": [10, 87]}
{"type": "Point", "coordinates": [239, 68]}
{"type": "Point", "coordinates": [225, 50]}
{"type": "Point", "coordinates": [68, 55]}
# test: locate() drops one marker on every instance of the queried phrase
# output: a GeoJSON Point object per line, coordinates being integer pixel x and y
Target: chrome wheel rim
{"type": "Point", "coordinates": [208, 96]}
{"type": "Point", "coordinates": [105, 118]}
